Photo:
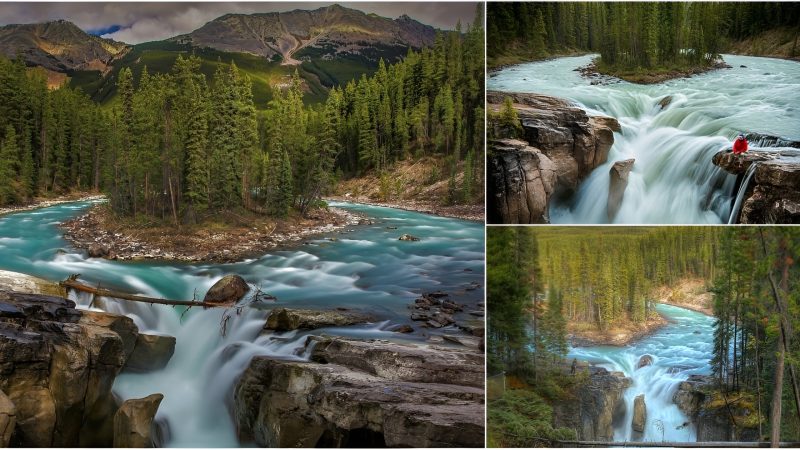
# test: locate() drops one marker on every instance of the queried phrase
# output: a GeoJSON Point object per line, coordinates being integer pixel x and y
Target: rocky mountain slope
{"type": "Point", "coordinates": [59, 46]}
{"type": "Point", "coordinates": [324, 33]}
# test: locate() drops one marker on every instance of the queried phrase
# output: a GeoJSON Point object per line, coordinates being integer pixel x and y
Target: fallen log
{"type": "Point", "coordinates": [73, 283]}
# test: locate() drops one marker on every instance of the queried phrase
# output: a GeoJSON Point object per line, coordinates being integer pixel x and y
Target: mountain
{"type": "Point", "coordinates": [300, 35]}
{"type": "Point", "coordinates": [328, 46]}
{"type": "Point", "coordinates": [59, 46]}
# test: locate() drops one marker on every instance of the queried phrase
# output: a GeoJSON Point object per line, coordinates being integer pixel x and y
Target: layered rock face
{"type": "Point", "coordinates": [563, 143]}
{"type": "Point", "coordinates": [599, 404]}
{"type": "Point", "coordinates": [364, 393]}
{"type": "Point", "coordinates": [57, 367]}
{"type": "Point", "coordinates": [773, 195]}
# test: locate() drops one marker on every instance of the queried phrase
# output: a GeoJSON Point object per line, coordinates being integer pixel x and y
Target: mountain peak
{"type": "Point", "coordinates": [58, 45]}
{"type": "Point", "coordinates": [324, 32]}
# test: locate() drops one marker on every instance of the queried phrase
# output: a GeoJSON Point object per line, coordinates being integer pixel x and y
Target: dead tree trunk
{"type": "Point", "coordinates": [71, 283]}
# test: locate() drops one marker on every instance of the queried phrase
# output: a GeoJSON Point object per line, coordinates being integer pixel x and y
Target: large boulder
{"type": "Point", "coordinates": [522, 181]}
{"type": "Point", "coordinates": [133, 422]}
{"type": "Point", "coordinates": [599, 406]}
{"type": "Point", "coordinates": [57, 364]}
{"type": "Point", "coordinates": [644, 361]}
{"type": "Point", "coordinates": [228, 290]}
{"type": "Point", "coordinates": [97, 251]}
{"type": "Point", "coordinates": [639, 414]}
{"type": "Point", "coordinates": [573, 144]}
{"type": "Point", "coordinates": [8, 419]}
{"type": "Point", "coordinates": [152, 352]}
{"type": "Point", "coordinates": [348, 402]}
{"type": "Point", "coordinates": [619, 181]}
{"type": "Point", "coordinates": [285, 319]}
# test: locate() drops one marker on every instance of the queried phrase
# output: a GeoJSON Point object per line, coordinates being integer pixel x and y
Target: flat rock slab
{"type": "Point", "coordinates": [285, 319]}
{"type": "Point", "coordinates": [402, 362]}
{"type": "Point", "coordinates": [281, 403]}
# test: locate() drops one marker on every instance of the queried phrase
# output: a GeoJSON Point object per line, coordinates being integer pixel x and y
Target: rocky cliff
{"type": "Point", "coordinates": [59, 46]}
{"type": "Point", "coordinates": [327, 32]}
{"type": "Point", "coordinates": [773, 194]}
{"type": "Point", "coordinates": [598, 405]}
{"type": "Point", "coordinates": [364, 393]}
{"type": "Point", "coordinates": [558, 148]}
{"type": "Point", "coordinates": [57, 367]}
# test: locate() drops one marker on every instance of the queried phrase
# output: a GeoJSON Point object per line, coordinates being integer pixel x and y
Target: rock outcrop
{"type": "Point", "coordinates": [57, 364]}
{"type": "Point", "coordinates": [616, 189]}
{"type": "Point", "coordinates": [133, 422]}
{"type": "Point", "coordinates": [711, 411]}
{"type": "Point", "coordinates": [773, 195]}
{"type": "Point", "coordinates": [352, 396]}
{"type": "Point", "coordinates": [57, 367]}
{"type": "Point", "coordinates": [639, 414]}
{"type": "Point", "coordinates": [229, 290]}
{"type": "Point", "coordinates": [285, 319]}
{"type": "Point", "coordinates": [562, 140]}
{"type": "Point", "coordinates": [599, 406]}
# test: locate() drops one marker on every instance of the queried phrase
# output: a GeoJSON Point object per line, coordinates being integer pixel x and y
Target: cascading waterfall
{"type": "Point", "coordinates": [681, 348]}
{"type": "Point", "coordinates": [673, 179]}
{"type": "Point", "coordinates": [367, 269]}
{"type": "Point", "coordinates": [737, 205]}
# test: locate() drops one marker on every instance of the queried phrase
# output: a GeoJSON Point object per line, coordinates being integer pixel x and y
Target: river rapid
{"type": "Point", "coordinates": [365, 268]}
{"type": "Point", "coordinates": [680, 349]}
{"type": "Point", "coordinates": [673, 180]}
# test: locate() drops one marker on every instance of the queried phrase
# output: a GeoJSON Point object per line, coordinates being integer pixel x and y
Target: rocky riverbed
{"type": "Point", "coordinates": [558, 148]}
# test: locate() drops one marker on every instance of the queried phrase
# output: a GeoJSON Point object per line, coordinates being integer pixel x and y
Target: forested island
{"type": "Point", "coordinates": [642, 41]}
{"type": "Point", "coordinates": [178, 147]}
{"type": "Point", "coordinates": [558, 297]}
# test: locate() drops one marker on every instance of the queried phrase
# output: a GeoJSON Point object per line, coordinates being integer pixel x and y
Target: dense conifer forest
{"type": "Point", "coordinates": [631, 34]}
{"type": "Point", "coordinates": [180, 144]}
{"type": "Point", "coordinates": [541, 280]}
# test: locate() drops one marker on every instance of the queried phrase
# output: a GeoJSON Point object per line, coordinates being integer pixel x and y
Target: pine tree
{"type": "Point", "coordinates": [8, 166]}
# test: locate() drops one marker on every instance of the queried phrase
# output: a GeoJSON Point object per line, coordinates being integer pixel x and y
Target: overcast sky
{"type": "Point", "coordinates": [141, 22]}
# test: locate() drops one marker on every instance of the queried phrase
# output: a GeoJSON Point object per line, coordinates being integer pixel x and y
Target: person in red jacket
{"type": "Point", "coordinates": [739, 145]}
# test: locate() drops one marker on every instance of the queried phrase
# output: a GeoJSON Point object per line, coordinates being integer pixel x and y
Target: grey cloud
{"type": "Point", "coordinates": [146, 21]}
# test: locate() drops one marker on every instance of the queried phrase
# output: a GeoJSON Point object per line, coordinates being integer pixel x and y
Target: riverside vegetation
{"type": "Point", "coordinates": [180, 146]}
{"type": "Point", "coordinates": [641, 42]}
{"type": "Point", "coordinates": [545, 285]}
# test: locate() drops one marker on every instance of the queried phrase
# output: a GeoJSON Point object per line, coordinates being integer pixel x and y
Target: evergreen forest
{"type": "Point", "coordinates": [628, 35]}
{"type": "Point", "coordinates": [180, 145]}
{"type": "Point", "coordinates": [542, 281]}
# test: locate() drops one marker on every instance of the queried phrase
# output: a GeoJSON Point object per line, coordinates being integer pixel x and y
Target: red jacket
{"type": "Point", "coordinates": [739, 146]}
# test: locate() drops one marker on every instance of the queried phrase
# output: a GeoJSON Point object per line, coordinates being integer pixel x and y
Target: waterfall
{"type": "Point", "coordinates": [681, 348]}
{"type": "Point", "coordinates": [673, 180]}
{"type": "Point", "coordinates": [737, 205]}
{"type": "Point", "coordinates": [365, 269]}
